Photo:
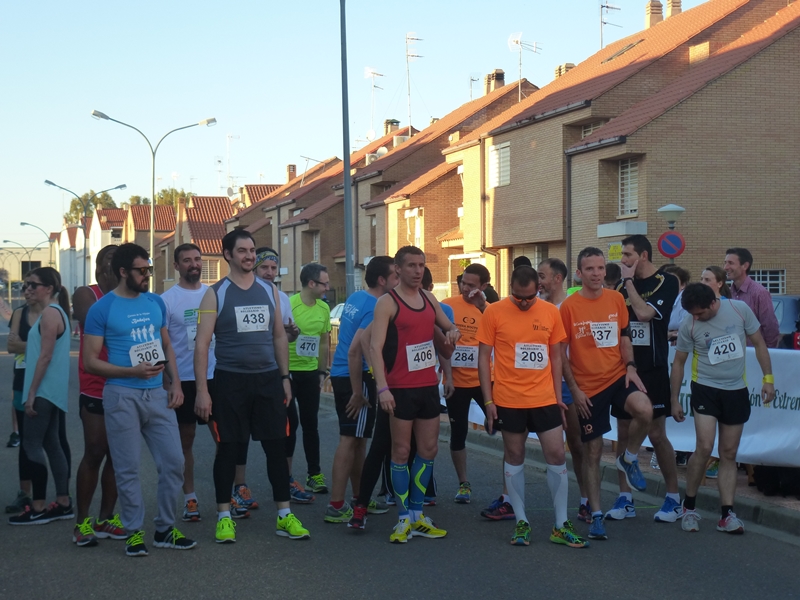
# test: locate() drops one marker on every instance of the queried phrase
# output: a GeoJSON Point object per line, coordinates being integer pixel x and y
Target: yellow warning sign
{"type": "Point", "coordinates": [615, 252]}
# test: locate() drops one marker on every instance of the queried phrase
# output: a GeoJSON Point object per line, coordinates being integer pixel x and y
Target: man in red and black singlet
{"type": "Point", "coordinates": [107, 525]}
{"type": "Point", "coordinates": [405, 337]}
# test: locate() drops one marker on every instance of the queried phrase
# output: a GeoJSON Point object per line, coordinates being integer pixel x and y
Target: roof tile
{"type": "Point", "coordinates": [112, 217]}
{"type": "Point", "coordinates": [314, 210]}
{"type": "Point", "coordinates": [205, 216]}
{"type": "Point", "coordinates": [164, 217]}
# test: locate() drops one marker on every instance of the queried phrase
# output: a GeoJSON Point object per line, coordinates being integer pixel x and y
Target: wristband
{"type": "Point", "coordinates": [385, 389]}
{"type": "Point", "coordinates": [630, 363]}
{"type": "Point", "coordinates": [488, 403]}
{"type": "Point", "coordinates": [626, 279]}
{"type": "Point", "coordinates": [770, 378]}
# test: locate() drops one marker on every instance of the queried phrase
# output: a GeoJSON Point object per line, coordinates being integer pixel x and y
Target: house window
{"type": "Point", "coordinates": [315, 257]}
{"type": "Point", "coordinates": [297, 211]}
{"type": "Point", "coordinates": [116, 233]}
{"type": "Point", "coordinates": [210, 273]}
{"type": "Point", "coordinates": [772, 279]}
{"type": "Point", "coordinates": [535, 252]}
{"type": "Point", "coordinates": [590, 128]}
{"type": "Point", "coordinates": [628, 187]}
{"type": "Point", "coordinates": [500, 165]}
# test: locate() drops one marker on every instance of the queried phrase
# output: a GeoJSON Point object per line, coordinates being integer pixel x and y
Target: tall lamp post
{"type": "Point", "coordinates": [207, 122]}
{"type": "Point", "coordinates": [671, 213]}
{"type": "Point", "coordinates": [19, 263]}
{"type": "Point", "coordinates": [25, 251]}
{"type": "Point", "coordinates": [85, 206]}
{"type": "Point", "coordinates": [49, 239]}
{"type": "Point", "coordinates": [349, 250]}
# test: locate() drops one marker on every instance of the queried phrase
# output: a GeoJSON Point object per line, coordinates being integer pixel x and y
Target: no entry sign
{"type": "Point", "coordinates": [671, 244]}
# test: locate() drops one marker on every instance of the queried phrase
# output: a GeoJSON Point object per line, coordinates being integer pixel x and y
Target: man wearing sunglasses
{"type": "Point", "coordinates": [132, 324]}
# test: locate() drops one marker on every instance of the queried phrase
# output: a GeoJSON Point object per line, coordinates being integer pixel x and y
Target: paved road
{"type": "Point", "coordinates": [642, 559]}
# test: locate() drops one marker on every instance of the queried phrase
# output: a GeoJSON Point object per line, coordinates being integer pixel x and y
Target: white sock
{"type": "Point", "coordinates": [414, 515]}
{"type": "Point", "coordinates": [191, 496]}
{"type": "Point", "coordinates": [584, 501]}
{"type": "Point", "coordinates": [505, 497]}
{"type": "Point", "coordinates": [515, 482]}
{"type": "Point", "coordinates": [284, 512]}
{"type": "Point", "coordinates": [627, 495]}
{"type": "Point", "coordinates": [223, 514]}
{"type": "Point", "coordinates": [558, 482]}
{"type": "Point", "coordinates": [630, 457]}
{"type": "Point", "coordinates": [675, 497]}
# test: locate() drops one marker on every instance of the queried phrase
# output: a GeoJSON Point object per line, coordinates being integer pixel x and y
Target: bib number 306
{"type": "Point", "coordinates": [150, 352]}
{"type": "Point", "coordinates": [421, 356]}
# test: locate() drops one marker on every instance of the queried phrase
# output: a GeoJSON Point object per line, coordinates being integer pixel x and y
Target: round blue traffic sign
{"type": "Point", "coordinates": [671, 244]}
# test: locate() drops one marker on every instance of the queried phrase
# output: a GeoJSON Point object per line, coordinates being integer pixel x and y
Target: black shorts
{"type": "Point", "coordinates": [92, 405]}
{"type": "Point", "coordinates": [416, 403]}
{"type": "Point", "coordinates": [729, 407]}
{"type": "Point", "coordinates": [185, 412]}
{"type": "Point", "coordinates": [656, 382]}
{"type": "Point", "coordinates": [361, 426]}
{"type": "Point", "coordinates": [600, 422]}
{"type": "Point", "coordinates": [535, 420]}
{"type": "Point", "coordinates": [248, 404]}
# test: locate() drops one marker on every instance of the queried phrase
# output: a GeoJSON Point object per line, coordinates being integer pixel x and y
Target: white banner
{"type": "Point", "coordinates": [770, 437]}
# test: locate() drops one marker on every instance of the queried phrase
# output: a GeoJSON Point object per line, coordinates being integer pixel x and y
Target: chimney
{"type": "Point", "coordinates": [180, 219]}
{"type": "Point", "coordinates": [494, 80]}
{"type": "Point", "coordinates": [653, 13]}
{"type": "Point", "coordinates": [291, 172]}
{"type": "Point", "coordinates": [563, 69]}
{"type": "Point", "coordinates": [673, 8]}
{"type": "Point", "coordinates": [390, 125]}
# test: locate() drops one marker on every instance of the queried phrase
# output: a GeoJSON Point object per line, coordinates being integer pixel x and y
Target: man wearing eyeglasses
{"type": "Point", "coordinates": [132, 324]}
{"type": "Point", "coordinates": [308, 364]}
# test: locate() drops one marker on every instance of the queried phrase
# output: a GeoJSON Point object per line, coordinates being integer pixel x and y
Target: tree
{"type": "Point", "coordinates": [75, 213]}
{"type": "Point", "coordinates": [138, 200]}
{"type": "Point", "coordinates": [167, 196]}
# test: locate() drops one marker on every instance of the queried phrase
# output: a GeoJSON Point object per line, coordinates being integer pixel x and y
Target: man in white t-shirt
{"type": "Point", "coordinates": [183, 302]}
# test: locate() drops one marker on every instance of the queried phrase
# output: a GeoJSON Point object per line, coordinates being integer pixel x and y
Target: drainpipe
{"type": "Point", "coordinates": [568, 221]}
{"type": "Point", "coordinates": [356, 215]}
{"type": "Point", "coordinates": [482, 188]}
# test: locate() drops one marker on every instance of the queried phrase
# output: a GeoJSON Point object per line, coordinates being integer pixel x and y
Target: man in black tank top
{"type": "Point", "coordinates": [251, 380]}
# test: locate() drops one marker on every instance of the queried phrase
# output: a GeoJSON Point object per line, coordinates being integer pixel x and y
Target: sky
{"type": "Point", "coordinates": [269, 72]}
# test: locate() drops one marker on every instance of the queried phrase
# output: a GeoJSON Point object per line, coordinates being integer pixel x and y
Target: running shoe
{"type": "Point", "coordinates": [20, 502]}
{"type": "Point", "coordinates": [238, 511]}
{"type": "Point", "coordinates": [730, 524]}
{"type": "Point", "coordinates": [632, 473]}
{"type": "Point", "coordinates": [390, 500]}
{"type": "Point", "coordinates": [243, 496]}
{"type": "Point", "coordinates": [56, 512]}
{"type": "Point", "coordinates": [226, 531]}
{"type": "Point", "coordinates": [172, 538]}
{"type": "Point", "coordinates": [110, 528]}
{"type": "Point", "coordinates": [429, 501]}
{"type": "Point", "coordinates": [566, 535]}
{"type": "Point", "coordinates": [622, 509]}
{"type": "Point", "coordinates": [464, 493]}
{"type": "Point", "coordinates": [712, 472]}
{"type": "Point", "coordinates": [190, 511]}
{"type": "Point", "coordinates": [503, 512]}
{"type": "Point", "coordinates": [377, 507]}
{"type": "Point", "coordinates": [83, 534]}
{"type": "Point", "coordinates": [29, 517]}
{"type": "Point", "coordinates": [669, 513]}
{"type": "Point", "coordinates": [13, 440]}
{"type": "Point", "coordinates": [402, 532]}
{"type": "Point", "coordinates": [690, 520]}
{"type": "Point", "coordinates": [654, 462]}
{"type": "Point", "coordinates": [585, 513]}
{"type": "Point", "coordinates": [338, 515]}
{"type": "Point", "coordinates": [316, 484]}
{"type": "Point", "coordinates": [597, 530]}
{"type": "Point", "coordinates": [298, 493]}
{"type": "Point", "coordinates": [424, 527]}
{"type": "Point", "coordinates": [134, 544]}
{"type": "Point", "coordinates": [291, 527]}
{"type": "Point", "coordinates": [522, 534]}
{"type": "Point", "coordinates": [359, 518]}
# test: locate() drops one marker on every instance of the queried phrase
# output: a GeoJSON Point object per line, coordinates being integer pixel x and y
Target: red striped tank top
{"type": "Point", "coordinates": [408, 352]}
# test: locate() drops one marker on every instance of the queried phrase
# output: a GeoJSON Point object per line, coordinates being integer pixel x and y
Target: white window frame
{"type": "Point", "coordinates": [628, 187]}
{"type": "Point", "coordinates": [210, 271]}
{"type": "Point", "coordinates": [772, 279]}
{"type": "Point", "coordinates": [590, 128]}
{"type": "Point", "coordinates": [315, 250]}
{"type": "Point", "coordinates": [500, 165]}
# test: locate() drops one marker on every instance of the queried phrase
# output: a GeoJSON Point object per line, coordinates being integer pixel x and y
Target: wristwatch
{"type": "Point", "coordinates": [630, 363]}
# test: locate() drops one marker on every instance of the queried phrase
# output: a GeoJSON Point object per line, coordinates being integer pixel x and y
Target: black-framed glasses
{"type": "Point", "coordinates": [322, 283]}
{"type": "Point", "coordinates": [143, 271]}
{"type": "Point", "coordinates": [524, 298]}
{"type": "Point", "coordinates": [33, 285]}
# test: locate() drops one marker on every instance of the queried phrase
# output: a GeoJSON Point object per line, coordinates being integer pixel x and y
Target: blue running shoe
{"type": "Point", "coordinates": [632, 473]}
{"type": "Point", "coordinates": [597, 531]}
{"type": "Point", "coordinates": [622, 509]}
{"type": "Point", "coordinates": [669, 513]}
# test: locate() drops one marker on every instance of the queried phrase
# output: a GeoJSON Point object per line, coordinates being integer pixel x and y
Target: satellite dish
{"type": "Point", "coordinates": [382, 151]}
{"type": "Point", "coordinates": [230, 192]}
{"type": "Point", "coordinates": [370, 135]}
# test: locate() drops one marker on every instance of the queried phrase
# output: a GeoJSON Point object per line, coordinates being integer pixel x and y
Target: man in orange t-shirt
{"type": "Point", "coordinates": [525, 335]}
{"type": "Point", "coordinates": [600, 372]}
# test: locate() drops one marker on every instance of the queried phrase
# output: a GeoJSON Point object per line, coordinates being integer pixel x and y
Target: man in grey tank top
{"type": "Point", "coordinates": [251, 380]}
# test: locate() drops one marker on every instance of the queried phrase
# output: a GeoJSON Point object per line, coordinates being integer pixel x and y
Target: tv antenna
{"type": "Point", "coordinates": [410, 56]}
{"type": "Point", "coordinates": [308, 159]}
{"type": "Point", "coordinates": [218, 165]}
{"type": "Point", "coordinates": [472, 79]}
{"type": "Point", "coordinates": [191, 179]}
{"type": "Point", "coordinates": [371, 73]}
{"type": "Point", "coordinates": [517, 44]}
{"type": "Point", "coordinates": [230, 137]}
{"type": "Point", "coordinates": [605, 6]}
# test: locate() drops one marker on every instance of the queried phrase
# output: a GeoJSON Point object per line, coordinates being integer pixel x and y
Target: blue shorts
{"type": "Point", "coordinates": [566, 396]}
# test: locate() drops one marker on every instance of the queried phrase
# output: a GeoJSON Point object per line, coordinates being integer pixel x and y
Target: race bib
{"type": "Point", "coordinates": [725, 348]}
{"type": "Point", "coordinates": [465, 357]}
{"type": "Point", "coordinates": [640, 333]}
{"type": "Point", "coordinates": [252, 318]}
{"type": "Point", "coordinates": [421, 356]}
{"type": "Point", "coordinates": [531, 356]}
{"type": "Point", "coordinates": [19, 361]}
{"type": "Point", "coordinates": [307, 345]}
{"type": "Point", "coordinates": [605, 334]}
{"type": "Point", "coordinates": [191, 335]}
{"type": "Point", "coordinates": [151, 352]}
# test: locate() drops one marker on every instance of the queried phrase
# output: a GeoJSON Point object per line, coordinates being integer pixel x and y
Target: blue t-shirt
{"type": "Point", "coordinates": [448, 311]}
{"type": "Point", "coordinates": [357, 314]}
{"type": "Point", "coordinates": [125, 324]}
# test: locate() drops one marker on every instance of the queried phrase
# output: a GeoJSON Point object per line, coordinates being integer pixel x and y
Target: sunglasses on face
{"type": "Point", "coordinates": [523, 298]}
{"type": "Point", "coordinates": [143, 271]}
{"type": "Point", "coordinates": [30, 285]}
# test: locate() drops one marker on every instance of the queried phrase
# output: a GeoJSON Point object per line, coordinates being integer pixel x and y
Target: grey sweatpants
{"type": "Point", "coordinates": [132, 414]}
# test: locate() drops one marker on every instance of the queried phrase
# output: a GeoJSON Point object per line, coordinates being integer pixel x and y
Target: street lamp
{"type": "Point", "coordinates": [24, 249]}
{"type": "Point", "coordinates": [49, 239]}
{"type": "Point", "coordinates": [207, 122]}
{"type": "Point", "coordinates": [85, 206]}
{"type": "Point", "coordinates": [19, 266]}
{"type": "Point", "coordinates": [671, 213]}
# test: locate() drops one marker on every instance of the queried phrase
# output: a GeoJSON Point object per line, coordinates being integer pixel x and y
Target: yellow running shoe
{"type": "Point", "coordinates": [291, 527]}
{"type": "Point", "coordinates": [566, 535]}
{"type": "Point", "coordinates": [424, 527]}
{"type": "Point", "coordinates": [402, 532]}
{"type": "Point", "coordinates": [226, 531]}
